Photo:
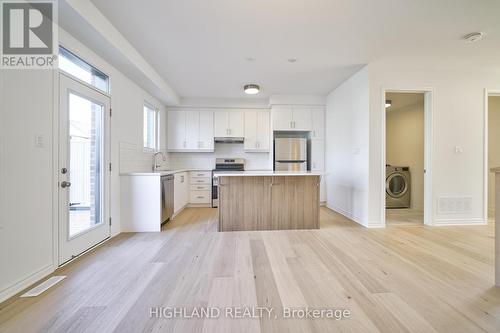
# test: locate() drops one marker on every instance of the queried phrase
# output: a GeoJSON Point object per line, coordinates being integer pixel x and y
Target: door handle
{"type": "Point", "coordinates": [65, 184]}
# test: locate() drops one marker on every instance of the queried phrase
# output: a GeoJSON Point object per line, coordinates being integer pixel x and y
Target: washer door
{"type": "Point", "coordinates": [396, 185]}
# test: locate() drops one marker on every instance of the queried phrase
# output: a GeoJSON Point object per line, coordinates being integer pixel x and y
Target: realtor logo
{"type": "Point", "coordinates": [28, 34]}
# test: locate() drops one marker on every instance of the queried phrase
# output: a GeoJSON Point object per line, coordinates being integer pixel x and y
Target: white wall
{"type": "Point", "coordinates": [493, 147]}
{"type": "Point", "coordinates": [458, 120]}
{"type": "Point", "coordinates": [405, 140]}
{"type": "Point", "coordinates": [26, 109]}
{"type": "Point", "coordinates": [346, 150]}
{"type": "Point", "coordinates": [27, 173]}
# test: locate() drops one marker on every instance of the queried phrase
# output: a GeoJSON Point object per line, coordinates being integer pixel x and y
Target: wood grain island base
{"type": "Point", "coordinates": [268, 202]}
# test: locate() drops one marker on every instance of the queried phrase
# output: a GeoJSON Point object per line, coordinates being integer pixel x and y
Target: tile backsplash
{"type": "Point", "coordinates": [254, 161]}
{"type": "Point", "coordinates": [133, 158]}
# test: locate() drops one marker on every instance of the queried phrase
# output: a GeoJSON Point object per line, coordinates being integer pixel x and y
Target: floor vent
{"type": "Point", "coordinates": [43, 286]}
{"type": "Point", "coordinates": [454, 205]}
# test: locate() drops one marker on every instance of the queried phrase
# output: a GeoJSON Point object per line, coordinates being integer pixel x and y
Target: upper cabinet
{"type": "Point", "coordinates": [318, 123]}
{"type": "Point", "coordinates": [257, 131]}
{"type": "Point", "coordinates": [190, 131]}
{"type": "Point", "coordinates": [228, 123]}
{"type": "Point", "coordinates": [291, 118]}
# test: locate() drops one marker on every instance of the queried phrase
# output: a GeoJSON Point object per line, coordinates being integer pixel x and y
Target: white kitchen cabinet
{"type": "Point", "coordinates": [317, 155]}
{"type": "Point", "coordinates": [291, 118]}
{"type": "Point", "coordinates": [190, 131]}
{"type": "Point", "coordinates": [200, 191]}
{"type": "Point", "coordinates": [301, 119]}
{"type": "Point", "coordinates": [181, 191]}
{"type": "Point", "coordinates": [318, 123]}
{"type": "Point", "coordinates": [228, 123]}
{"type": "Point", "coordinates": [257, 131]}
{"type": "Point", "coordinates": [318, 164]}
{"type": "Point", "coordinates": [206, 130]}
{"type": "Point", "coordinates": [176, 130]}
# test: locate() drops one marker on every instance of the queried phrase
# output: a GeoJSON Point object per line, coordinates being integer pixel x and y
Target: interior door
{"type": "Point", "coordinates": [84, 150]}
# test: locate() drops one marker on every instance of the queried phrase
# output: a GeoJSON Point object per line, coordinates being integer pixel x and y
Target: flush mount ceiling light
{"type": "Point", "coordinates": [474, 37]}
{"type": "Point", "coordinates": [251, 89]}
{"type": "Point", "coordinates": [388, 103]}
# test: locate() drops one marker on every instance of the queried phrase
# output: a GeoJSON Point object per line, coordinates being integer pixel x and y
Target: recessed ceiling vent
{"type": "Point", "coordinates": [474, 37]}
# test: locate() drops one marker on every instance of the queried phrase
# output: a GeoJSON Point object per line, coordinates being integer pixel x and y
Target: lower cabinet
{"type": "Point", "coordinates": [181, 191]}
{"type": "Point", "coordinates": [200, 191]}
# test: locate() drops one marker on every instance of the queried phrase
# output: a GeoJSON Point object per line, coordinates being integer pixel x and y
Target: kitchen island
{"type": "Point", "coordinates": [268, 200]}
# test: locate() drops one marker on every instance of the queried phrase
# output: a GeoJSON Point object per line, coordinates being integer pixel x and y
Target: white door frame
{"type": "Point", "coordinates": [430, 96]}
{"type": "Point", "coordinates": [56, 189]}
{"type": "Point", "coordinates": [487, 93]}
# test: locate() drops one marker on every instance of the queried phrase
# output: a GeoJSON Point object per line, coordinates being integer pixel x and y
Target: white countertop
{"type": "Point", "coordinates": [268, 173]}
{"type": "Point", "coordinates": [160, 172]}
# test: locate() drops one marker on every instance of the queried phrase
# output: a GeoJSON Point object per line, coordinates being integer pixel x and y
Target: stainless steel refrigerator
{"type": "Point", "coordinates": [290, 154]}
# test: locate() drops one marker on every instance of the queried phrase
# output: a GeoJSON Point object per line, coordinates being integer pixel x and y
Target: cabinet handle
{"type": "Point", "coordinates": [200, 197]}
{"type": "Point", "coordinates": [200, 188]}
{"type": "Point", "coordinates": [314, 133]}
{"type": "Point", "coordinates": [291, 124]}
{"type": "Point", "coordinates": [184, 144]}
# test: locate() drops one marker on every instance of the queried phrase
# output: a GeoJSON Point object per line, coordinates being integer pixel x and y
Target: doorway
{"type": "Point", "coordinates": [83, 172]}
{"type": "Point", "coordinates": [493, 150]}
{"type": "Point", "coordinates": [407, 153]}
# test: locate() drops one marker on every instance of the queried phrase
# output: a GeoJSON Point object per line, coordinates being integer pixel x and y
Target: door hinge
{"type": "Point", "coordinates": [109, 167]}
{"type": "Point", "coordinates": [110, 112]}
{"type": "Point", "coordinates": [110, 223]}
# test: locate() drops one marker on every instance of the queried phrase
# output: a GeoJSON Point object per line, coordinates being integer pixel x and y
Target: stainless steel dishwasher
{"type": "Point", "coordinates": [167, 197]}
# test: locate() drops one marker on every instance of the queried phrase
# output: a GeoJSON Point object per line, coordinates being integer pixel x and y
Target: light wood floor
{"type": "Point", "coordinates": [404, 217]}
{"type": "Point", "coordinates": [398, 279]}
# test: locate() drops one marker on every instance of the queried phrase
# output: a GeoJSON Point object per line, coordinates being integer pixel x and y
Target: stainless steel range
{"type": "Point", "coordinates": [224, 165]}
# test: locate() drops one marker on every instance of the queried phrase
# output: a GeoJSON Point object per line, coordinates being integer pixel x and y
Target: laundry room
{"type": "Point", "coordinates": [405, 154]}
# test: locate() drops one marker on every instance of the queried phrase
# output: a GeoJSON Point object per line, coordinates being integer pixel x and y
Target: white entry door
{"type": "Point", "coordinates": [84, 132]}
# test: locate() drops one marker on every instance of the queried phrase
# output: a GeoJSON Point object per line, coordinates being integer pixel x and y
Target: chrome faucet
{"type": "Point", "coordinates": [155, 165]}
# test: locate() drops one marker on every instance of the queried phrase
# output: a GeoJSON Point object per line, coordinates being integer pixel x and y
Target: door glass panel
{"type": "Point", "coordinates": [397, 185]}
{"type": "Point", "coordinates": [86, 167]}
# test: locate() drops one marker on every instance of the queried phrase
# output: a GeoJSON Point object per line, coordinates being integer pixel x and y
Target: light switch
{"type": "Point", "coordinates": [39, 141]}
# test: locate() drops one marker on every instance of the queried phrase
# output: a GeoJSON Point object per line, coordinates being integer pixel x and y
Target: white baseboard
{"type": "Point", "coordinates": [24, 283]}
{"type": "Point", "coordinates": [458, 222]}
{"type": "Point", "coordinates": [346, 214]}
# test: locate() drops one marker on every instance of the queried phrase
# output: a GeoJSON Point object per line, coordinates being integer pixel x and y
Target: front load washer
{"type": "Point", "coordinates": [397, 187]}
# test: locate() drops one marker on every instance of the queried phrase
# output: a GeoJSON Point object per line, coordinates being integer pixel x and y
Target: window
{"type": "Point", "coordinates": [151, 127]}
{"type": "Point", "coordinates": [75, 66]}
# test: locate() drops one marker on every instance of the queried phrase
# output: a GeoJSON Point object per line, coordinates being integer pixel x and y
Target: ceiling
{"type": "Point", "coordinates": [200, 47]}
